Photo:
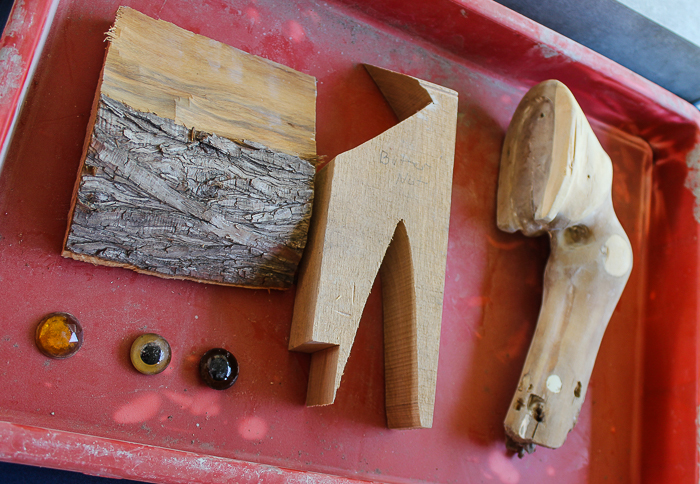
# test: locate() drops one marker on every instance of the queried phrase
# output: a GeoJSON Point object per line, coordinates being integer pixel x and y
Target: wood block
{"type": "Point", "coordinates": [383, 204]}
{"type": "Point", "coordinates": [556, 178]}
{"type": "Point", "coordinates": [198, 162]}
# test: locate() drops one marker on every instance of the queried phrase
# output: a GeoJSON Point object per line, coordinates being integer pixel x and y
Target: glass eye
{"type": "Point", "coordinates": [218, 368]}
{"type": "Point", "coordinates": [59, 335]}
{"type": "Point", "coordinates": [150, 354]}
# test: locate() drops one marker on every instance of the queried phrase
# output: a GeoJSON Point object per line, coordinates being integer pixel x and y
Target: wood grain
{"type": "Point", "coordinates": [155, 66]}
{"type": "Point", "coordinates": [383, 204]}
{"type": "Point", "coordinates": [160, 198]}
{"type": "Point", "coordinates": [556, 178]}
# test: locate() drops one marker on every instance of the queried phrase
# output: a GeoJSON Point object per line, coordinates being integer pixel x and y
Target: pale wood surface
{"type": "Point", "coordinates": [155, 66]}
{"type": "Point", "coordinates": [163, 189]}
{"type": "Point", "coordinates": [385, 203]}
{"type": "Point", "coordinates": [556, 178]}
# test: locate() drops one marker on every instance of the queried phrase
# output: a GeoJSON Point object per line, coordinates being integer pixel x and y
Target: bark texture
{"type": "Point", "coordinates": [161, 198]}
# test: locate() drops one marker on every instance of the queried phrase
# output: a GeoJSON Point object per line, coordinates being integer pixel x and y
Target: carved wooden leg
{"type": "Point", "coordinates": [556, 178]}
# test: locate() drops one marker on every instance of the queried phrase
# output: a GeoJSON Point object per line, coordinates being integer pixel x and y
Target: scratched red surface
{"type": "Point", "coordinates": [638, 423]}
{"type": "Point", "coordinates": [19, 45]}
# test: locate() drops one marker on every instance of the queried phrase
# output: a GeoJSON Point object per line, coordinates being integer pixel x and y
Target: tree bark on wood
{"type": "Point", "coordinates": [160, 198]}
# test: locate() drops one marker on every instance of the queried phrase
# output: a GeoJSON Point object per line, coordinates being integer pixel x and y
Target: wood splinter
{"type": "Point", "coordinates": [556, 178]}
{"type": "Point", "coordinates": [385, 203]}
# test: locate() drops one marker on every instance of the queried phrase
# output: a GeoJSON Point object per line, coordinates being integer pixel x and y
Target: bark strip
{"type": "Point", "coordinates": [160, 198]}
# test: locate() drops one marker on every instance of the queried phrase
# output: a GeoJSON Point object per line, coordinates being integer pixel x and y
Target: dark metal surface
{"type": "Point", "coordinates": [623, 35]}
{"type": "Point", "coordinates": [5, 7]}
{"type": "Point", "coordinates": [21, 474]}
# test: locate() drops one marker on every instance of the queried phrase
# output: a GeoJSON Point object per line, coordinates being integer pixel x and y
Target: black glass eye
{"type": "Point", "coordinates": [218, 368]}
{"type": "Point", "coordinates": [150, 354]}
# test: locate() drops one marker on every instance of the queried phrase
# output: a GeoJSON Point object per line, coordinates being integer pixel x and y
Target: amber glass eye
{"type": "Point", "coordinates": [150, 353]}
{"type": "Point", "coordinates": [59, 335]}
{"type": "Point", "coordinates": [218, 368]}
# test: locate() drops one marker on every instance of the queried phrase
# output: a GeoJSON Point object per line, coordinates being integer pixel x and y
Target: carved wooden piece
{"type": "Point", "coordinates": [386, 200]}
{"type": "Point", "coordinates": [163, 190]}
{"type": "Point", "coordinates": [556, 178]}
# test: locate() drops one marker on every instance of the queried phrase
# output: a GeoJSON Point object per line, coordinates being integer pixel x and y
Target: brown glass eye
{"type": "Point", "coordinates": [150, 354]}
{"type": "Point", "coordinates": [218, 368]}
{"type": "Point", "coordinates": [59, 335]}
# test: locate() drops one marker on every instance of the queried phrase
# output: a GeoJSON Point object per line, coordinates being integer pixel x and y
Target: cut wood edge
{"type": "Point", "coordinates": [405, 94]}
{"type": "Point", "coordinates": [301, 336]}
{"type": "Point", "coordinates": [323, 371]}
{"type": "Point", "coordinates": [96, 261]}
{"type": "Point", "coordinates": [401, 361]}
{"type": "Point", "coordinates": [83, 157]}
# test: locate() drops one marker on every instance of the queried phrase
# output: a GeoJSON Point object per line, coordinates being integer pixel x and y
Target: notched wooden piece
{"type": "Point", "coordinates": [169, 183]}
{"type": "Point", "coordinates": [157, 197]}
{"type": "Point", "coordinates": [383, 204]}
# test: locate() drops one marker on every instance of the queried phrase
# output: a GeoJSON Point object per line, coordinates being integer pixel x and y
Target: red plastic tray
{"type": "Point", "coordinates": [93, 413]}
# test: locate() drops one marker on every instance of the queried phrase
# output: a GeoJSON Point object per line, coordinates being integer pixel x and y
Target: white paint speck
{"type": "Point", "coordinates": [618, 255]}
{"type": "Point", "coordinates": [554, 384]}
